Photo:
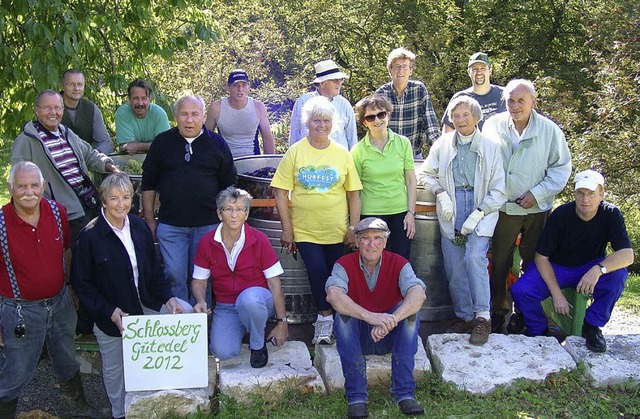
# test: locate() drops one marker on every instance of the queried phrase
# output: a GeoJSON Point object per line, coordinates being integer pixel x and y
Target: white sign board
{"type": "Point", "coordinates": [165, 351]}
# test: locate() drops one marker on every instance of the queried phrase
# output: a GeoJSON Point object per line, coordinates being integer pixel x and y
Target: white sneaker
{"type": "Point", "coordinates": [323, 333]}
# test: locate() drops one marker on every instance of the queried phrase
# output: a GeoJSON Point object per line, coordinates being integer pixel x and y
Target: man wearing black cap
{"type": "Point", "coordinates": [571, 253]}
{"type": "Point", "coordinates": [488, 95]}
{"type": "Point", "coordinates": [376, 296]}
{"type": "Point", "coordinates": [239, 118]}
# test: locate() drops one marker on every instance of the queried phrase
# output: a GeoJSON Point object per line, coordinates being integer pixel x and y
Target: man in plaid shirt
{"type": "Point", "coordinates": [413, 115]}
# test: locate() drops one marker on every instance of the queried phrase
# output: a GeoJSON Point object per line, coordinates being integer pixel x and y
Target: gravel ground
{"type": "Point", "coordinates": [42, 395]}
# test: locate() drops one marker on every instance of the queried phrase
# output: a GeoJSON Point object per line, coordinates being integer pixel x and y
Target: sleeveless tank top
{"type": "Point", "coordinates": [239, 128]}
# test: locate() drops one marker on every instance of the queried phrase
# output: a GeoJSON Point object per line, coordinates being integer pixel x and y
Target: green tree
{"type": "Point", "coordinates": [108, 40]}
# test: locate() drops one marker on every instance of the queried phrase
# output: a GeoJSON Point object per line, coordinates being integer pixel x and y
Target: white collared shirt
{"type": "Point", "coordinates": [516, 137]}
{"type": "Point", "coordinates": [232, 256]}
{"type": "Point", "coordinates": [124, 235]}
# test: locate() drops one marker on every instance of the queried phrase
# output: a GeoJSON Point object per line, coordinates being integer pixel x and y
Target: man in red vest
{"type": "Point", "coordinates": [376, 296]}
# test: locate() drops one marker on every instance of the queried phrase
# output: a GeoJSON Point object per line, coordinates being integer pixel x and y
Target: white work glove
{"type": "Point", "coordinates": [471, 222]}
{"type": "Point", "coordinates": [446, 206]}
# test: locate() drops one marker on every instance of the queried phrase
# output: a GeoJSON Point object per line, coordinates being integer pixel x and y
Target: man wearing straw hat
{"type": "Point", "coordinates": [328, 82]}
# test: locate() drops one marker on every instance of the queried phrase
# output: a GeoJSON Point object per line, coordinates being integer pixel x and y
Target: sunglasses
{"type": "Point", "coordinates": [188, 152]}
{"type": "Point", "coordinates": [380, 115]}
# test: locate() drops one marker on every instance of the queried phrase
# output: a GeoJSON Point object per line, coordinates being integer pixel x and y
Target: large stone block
{"type": "Point", "coordinates": [327, 361]}
{"type": "Point", "coordinates": [501, 361]}
{"type": "Point", "coordinates": [289, 366]}
{"type": "Point", "coordinates": [158, 404]}
{"type": "Point", "coordinates": [620, 364]}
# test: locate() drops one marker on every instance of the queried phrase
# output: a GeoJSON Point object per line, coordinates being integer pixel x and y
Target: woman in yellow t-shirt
{"type": "Point", "coordinates": [325, 204]}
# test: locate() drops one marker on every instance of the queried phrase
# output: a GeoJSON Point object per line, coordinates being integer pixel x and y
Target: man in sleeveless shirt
{"type": "Point", "coordinates": [82, 115]}
{"type": "Point", "coordinates": [239, 118]}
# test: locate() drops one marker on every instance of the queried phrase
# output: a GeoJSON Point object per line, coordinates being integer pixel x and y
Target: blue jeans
{"type": "Point", "coordinates": [529, 291]}
{"type": "Point", "coordinates": [250, 313]}
{"type": "Point", "coordinates": [178, 246]}
{"type": "Point", "coordinates": [319, 260]}
{"type": "Point", "coordinates": [466, 267]}
{"type": "Point", "coordinates": [353, 341]}
{"type": "Point", "coordinates": [50, 322]}
{"type": "Point", "coordinates": [398, 242]}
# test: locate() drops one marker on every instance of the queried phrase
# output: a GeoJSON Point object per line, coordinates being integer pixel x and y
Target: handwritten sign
{"type": "Point", "coordinates": [165, 351]}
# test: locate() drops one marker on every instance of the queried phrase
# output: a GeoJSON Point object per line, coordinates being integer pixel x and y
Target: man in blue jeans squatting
{"type": "Point", "coordinates": [571, 253]}
{"type": "Point", "coordinates": [376, 296]}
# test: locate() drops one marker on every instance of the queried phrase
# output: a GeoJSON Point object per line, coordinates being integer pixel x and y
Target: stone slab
{"type": "Point", "coordinates": [619, 365]}
{"type": "Point", "coordinates": [289, 366]}
{"type": "Point", "coordinates": [181, 402]}
{"type": "Point", "coordinates": [327, 361]}
{"type": "Point", "coordinates": [500, 362]}
{"type": "Point", "coordinates": [90, 362]}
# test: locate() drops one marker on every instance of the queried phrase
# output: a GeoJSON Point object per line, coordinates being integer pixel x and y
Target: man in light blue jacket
{"type": "Point", "coordinates": [538, 166]}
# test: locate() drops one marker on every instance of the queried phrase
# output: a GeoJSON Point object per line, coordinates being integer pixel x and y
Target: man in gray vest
{"type": "Point", "coordinates": [82, 115]}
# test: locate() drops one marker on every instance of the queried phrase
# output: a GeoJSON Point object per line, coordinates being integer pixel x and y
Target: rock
{"type": "Point", "coordinates": [620, 364]}
{"type": "Point", "coordinates": [327, 361]}
{"type": "Point", "coordinates": [181, 402]}
{"type": "Point", "coordinates": [289, 366]}
{"type": "Point", "coordinates": [501, 361]}
{"type": "Point", "coordinates": [90, 362]}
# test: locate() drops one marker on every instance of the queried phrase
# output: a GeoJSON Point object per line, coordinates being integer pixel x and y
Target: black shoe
{"type": "Point", "coordinates": [259, 357]}
{"type": "Point", "coordinates": [516, 324]}
{"type": "Point", "coordinates": [357, 411]}
{"type": "Point", "coordinates": [497, 323]}
{"type": "Point", "coordinates": [594, 339]}
{"type": "Point", "coordinates": [411, 407]}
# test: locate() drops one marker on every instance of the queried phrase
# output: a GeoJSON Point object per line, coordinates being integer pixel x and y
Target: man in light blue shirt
{"type": "Point", "coordinates": [328, 82]}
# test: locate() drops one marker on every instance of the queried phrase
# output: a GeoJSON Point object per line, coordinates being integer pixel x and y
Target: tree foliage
{"type": "Point", "coordinates": [108, 40]}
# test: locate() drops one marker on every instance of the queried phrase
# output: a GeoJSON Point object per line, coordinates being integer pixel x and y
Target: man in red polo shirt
{"type": "Point", "coordinates": [376, 296]}
{"type": "Point", "coordinates": [35, 305]}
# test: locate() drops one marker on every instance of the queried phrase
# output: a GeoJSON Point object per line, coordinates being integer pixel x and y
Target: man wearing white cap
{"type": "Point", "coordinates": [413, 115]}
{"type": "Point", "coordinates": [488, 95]}
{"type": "Point", "coordinates": [328, 82]}
{"type": "Point", "coordinates": [572, 253]}
{"type": "Point", "coordinates": [376, 296]}
{"type": "Point", "coordinates": [239, 118]}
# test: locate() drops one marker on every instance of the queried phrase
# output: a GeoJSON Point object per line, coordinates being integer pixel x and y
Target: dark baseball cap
{"type": "Point", "coordinates": [238, 75]}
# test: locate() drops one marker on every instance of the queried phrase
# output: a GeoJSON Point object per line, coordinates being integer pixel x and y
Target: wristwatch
{"type": "Point", "coordinates": [282, 320]}
{"type": "Point", "coordinates": [603, 270]}
{"type": "Point", "coordinates": [352, 228]}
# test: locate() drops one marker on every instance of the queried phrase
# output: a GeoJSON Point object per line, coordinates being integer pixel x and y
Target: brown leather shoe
{"type": "Point", "coordinates": [481, 331]}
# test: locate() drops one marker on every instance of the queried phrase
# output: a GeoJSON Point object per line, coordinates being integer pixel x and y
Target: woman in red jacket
{"type": "Point", "coordinates": [245, 278]}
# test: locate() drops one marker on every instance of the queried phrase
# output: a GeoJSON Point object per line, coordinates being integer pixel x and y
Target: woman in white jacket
{"type": "Point", "coordinates": [466, 172]}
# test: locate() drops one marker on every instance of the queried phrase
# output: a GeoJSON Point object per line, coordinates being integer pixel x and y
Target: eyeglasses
{"type": "Point", "coordinates": [374, 239]}
{"type": "Point", "coordinates": [380, 115]}
{"type": "Point", "coordinates": [51, 108]}
{"type": "Point", "coordinates": [401, 67]}
{"type": "Point", "coordinates": [188, 152]}
{"type": "Point", "coordinates": [233, 210]}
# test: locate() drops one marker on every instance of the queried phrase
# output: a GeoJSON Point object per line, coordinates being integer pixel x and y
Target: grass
{"type": "Point", "coordinates": [630, 299]}
{"type": "Point", "coordinates": [562, 395]}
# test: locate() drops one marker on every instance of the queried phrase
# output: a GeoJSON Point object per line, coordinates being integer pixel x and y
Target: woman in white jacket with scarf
{"type": "Point", "coordinates": [465, 171]}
